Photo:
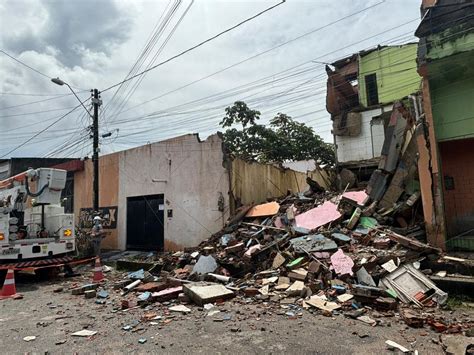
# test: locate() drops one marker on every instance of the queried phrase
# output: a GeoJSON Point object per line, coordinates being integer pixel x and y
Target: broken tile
{"type": "Point", "coordinates": [266, 209]}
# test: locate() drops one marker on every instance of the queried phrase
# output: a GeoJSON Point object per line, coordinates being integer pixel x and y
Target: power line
{"type": "Point", "coordinates": [30, 67]}
{"type": "Point", "coordinates": [43, 130]}
{"type": "Point", "coordinates": [158, 52]}
{"type": "Point", "coordinates": [264, 52]}
{"type": "Point", "coordinates": [24, 64]}
{"type": "Point", "coordinates": [197, 45]}
{"type": "Point", "coordinates": [29, 94]}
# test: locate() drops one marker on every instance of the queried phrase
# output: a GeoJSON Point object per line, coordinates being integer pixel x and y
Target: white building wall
{"type": "Point", "coordinates": [368, 144]}
{"type": "Point", "coordinates": [191, 176]}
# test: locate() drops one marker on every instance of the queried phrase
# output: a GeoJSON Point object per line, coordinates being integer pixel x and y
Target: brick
{"type": "Point", "coordinates": [151, 287]}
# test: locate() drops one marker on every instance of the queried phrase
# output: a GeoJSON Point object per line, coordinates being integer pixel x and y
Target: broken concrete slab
{"type": "Point", "coordinates": [319, 216]}
{"type": "Point", "coordinates": [341, 237]}
{"type": "Point", "coordinates": [202, 293]}
{"type": "Point", "coordinates": [345, 297]}
{"type": "Point", "coordinates": [456, 344]}
{"type": "Point", "coordinates": [311, 243]}
{"type": "Point", "coordinates": [296, 288]}
{"type": "Point", "coordinates": [364, 277]}
{"type": "Point", "coordinates": [205, 265]}
{"type": "Point", "coordinates": [298, 274]}
{"type": "Point", "coordinates": [316, 301]}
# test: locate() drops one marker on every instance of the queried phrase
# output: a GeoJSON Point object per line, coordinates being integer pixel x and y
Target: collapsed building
{"type": "Point", "coordinates": [361, 90]}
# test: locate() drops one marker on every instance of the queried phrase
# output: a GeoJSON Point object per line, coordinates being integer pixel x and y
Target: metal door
{"type": "Point", "coordinates": [145, 222]}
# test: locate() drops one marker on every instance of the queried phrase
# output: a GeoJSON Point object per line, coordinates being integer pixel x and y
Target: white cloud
{"type": "Point", "coordinates": [95, 43]}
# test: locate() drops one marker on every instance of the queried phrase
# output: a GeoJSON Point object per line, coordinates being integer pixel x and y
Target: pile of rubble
{"type": "Point", "coordinates": [314, 251]}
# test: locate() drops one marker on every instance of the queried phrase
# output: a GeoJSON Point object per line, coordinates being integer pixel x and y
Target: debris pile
{"type": "Point", "coordinates": [316, 251]}
{"type": "Point", "coordinates": [356, 253]}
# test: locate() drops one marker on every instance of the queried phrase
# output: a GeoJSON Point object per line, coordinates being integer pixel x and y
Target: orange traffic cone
{"type": "Point", "coordinates": [98, 275]}
{"type": "Point", "coordinates": [9, 289]}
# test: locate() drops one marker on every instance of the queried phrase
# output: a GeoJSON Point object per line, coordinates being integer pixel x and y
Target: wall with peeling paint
{"type": "Point", "coordinates": [452, 96]}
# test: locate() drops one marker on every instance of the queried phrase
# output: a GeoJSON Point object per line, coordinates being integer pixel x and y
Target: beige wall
{"type": "Point", "coordinates": [192, 175]}
{"type": "Point", "coordinates": [255, 183]}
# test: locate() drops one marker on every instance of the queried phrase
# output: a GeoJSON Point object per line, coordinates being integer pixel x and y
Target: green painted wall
{"type": "Point", "coordinates": [452, 96]}
{"type": "Point", "coordinates": [454, 40]}
{"type": "Point", "coordinates": [395, 68]}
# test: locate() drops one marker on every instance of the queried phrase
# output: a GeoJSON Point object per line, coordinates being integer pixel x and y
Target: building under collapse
{"type": "Point", "coordinates": [361, 90]}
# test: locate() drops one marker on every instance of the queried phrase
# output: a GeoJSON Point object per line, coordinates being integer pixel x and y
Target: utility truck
{"type": "Point", "coordinates": [33, 224]}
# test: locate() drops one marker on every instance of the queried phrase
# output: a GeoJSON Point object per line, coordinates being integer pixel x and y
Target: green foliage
{"type": "Point", "coordinates": [283, 139]}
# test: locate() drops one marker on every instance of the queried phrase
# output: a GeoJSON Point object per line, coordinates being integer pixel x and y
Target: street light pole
{"type": "Point", "coordinates": [96, 102]}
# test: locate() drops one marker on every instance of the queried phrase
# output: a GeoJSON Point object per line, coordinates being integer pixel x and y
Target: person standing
{"type": "Point", "coordinates": [97, 234]}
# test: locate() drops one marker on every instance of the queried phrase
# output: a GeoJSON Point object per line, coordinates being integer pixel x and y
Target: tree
{"type": "Point", "coordinates": [283, 139]}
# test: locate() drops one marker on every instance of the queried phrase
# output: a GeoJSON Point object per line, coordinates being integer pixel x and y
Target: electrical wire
{"type": "Point", "coordinates": [196, 46]}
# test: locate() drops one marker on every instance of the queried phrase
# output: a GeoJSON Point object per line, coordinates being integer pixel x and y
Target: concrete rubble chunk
{"type": "Point", "coordinates": [296, 288]}
{"type": "Point", "coordinates": [180, 308]}
{"type": "Point", "coordinates": [322, 304]}
{"type": "Point", "coordinates": [298, 274]}
{"type": "Point", "coordinates": [205, 265]}
{"type": "Point", "coordinates": [84, 333]}
{"type": "Point", "coordinates": [82, 289]}
{"type": "Point", "coordinates": [278, 261]}
{"type": "Point", "coordinates": [393, 345]}
{"type": "Point", "coordinates": [315, 242]}
{"type": "Point", "coordinates": [345, 297]}
{"type": "Point", "coordinates": [202, 293]}
{"type": "Point", "coordinates": [364, 277]}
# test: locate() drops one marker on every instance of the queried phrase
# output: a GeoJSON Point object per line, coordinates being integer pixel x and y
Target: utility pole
{"type": "Point", "coordinates": [95, 154]}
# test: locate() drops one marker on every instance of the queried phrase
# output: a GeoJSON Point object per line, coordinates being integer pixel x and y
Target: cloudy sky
{"type": "Point", "coordinates": [275, 63]}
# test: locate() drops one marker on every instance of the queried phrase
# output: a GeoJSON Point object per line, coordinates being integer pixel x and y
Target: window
{"type": "Point", "coordinates": [371, 89]}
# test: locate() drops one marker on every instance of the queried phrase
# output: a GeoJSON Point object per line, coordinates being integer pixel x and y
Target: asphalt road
{"type": "Point", "coordinates": [253, 328]}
